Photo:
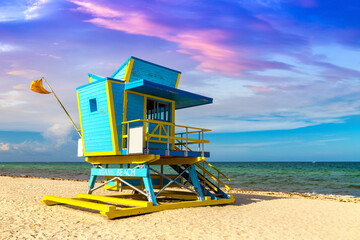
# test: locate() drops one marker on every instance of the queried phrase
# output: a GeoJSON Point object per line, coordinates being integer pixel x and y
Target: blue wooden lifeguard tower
{"type": "Point", "coordinates": [130, 137]}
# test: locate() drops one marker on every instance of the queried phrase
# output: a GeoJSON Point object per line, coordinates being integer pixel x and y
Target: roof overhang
{"type": "Point", "coordinates": [183, 99]}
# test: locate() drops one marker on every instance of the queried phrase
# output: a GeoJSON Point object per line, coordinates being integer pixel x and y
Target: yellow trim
{"type": "Point", "coordinates": [210, 184]}
{"type": "Point", "coordinates": [112, 211]}
{"type": "Point", "coordinates": [113, 128]}
{"type": "Point", "coordinates": [128, 70]}
{"type": "Point", "coordinates": [124, 159]}
{"type": "Point", "coordinates": [150, 96]}
{"type": "Point", "coordinates": [124, 119]}
{"type": "Point", "coordinates": [116, 82]}
{"type": "Point", "coordinates": [51, 200]}
{"type": "Point", "coordinates": [212, 176]}
{"type": "Point", "coordinates": [177, 81]}
{"type": "Point", "coordinates": [167, 123]}
{"type": "Point", "coordinates": [144, 125]}
{"type": "Point", "coordinates": [178, 160]}
{"type": "Point", "coordinates": [82, 133]}
{"type": "Point", "coordinates": [144, 113]}
{"type": "Point", "coordinates": [172, 131]}
{"type": "Point", "coordinates": [121, 201]}
{"type": "Point", "coordinates": [162, 126]}
{"type": "Point", "coordinates": [217, 170]}
{"type": "Point", "coordinates": [107, 153]}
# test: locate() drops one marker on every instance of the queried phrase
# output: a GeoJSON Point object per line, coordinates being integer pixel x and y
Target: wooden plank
{"type": "Point", "coordinates": [79, 203]}
{"type": "Point", "coordinates": [179, 196]}
{"type": "Point", "coordinates": [167, 206]}
{"type": "Point", "coordinates": [122, 201]}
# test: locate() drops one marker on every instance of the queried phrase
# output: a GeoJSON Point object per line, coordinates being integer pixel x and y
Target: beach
{"type": "Point", "coordinates": [254, 215]}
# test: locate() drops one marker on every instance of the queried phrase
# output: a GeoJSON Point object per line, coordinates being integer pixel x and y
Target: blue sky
{"type": "Point", "coordinates": [284, 75]}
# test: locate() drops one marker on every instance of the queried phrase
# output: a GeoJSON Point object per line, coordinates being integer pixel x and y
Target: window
{"type": "Point", "coordinates": [157, 110]}
{"type": "Point", "coordinates": [93, 105]}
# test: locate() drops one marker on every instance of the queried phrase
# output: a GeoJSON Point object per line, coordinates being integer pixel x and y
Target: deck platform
{"type": "Point", "coordinates": [123, 205]}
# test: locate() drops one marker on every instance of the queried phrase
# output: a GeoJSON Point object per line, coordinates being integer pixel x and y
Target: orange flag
{"type": "Point", "coordinates": [37, 86]}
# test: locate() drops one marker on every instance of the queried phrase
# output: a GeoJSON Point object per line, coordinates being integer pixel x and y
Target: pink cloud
{"type": "Point", "coordinates": [207, 46]}
{"type": "Point", "coordinates": [259, 89]}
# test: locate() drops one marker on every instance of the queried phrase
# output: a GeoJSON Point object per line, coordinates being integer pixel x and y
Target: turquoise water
{"type": "Point", "coordinates": [325, 178]}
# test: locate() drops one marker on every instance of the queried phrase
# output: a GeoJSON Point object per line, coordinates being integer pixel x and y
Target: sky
{"type": "Point", "coordinates": [284, 75]}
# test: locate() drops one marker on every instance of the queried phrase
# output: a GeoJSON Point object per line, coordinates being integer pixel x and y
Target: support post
{"type": "Point", "coordinates": [147, 138]}
{"type": "Point", "coordinates": [91, 183]}
{"type": "Point", "coordinates": [202, 137]}
{"type": "Point", "coordinates": [195, 182]}
{"type": "Point", "coordinates": [186, 144]}
{"type": "Point", "coordinates": [168, 142]}
{"type": "Point", "coordinates": [161, 177]}
{"type": "Point", "coordinates": [148, 186]}
{"type": "Point", "coordinates": [128, 137]}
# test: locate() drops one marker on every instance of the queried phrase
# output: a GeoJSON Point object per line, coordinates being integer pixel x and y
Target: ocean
{"type": "Point", "coordinates": [335, 178]}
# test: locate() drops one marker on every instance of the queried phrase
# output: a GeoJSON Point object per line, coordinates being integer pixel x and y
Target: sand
{"type": "Point", "coordinates": [254, 215]}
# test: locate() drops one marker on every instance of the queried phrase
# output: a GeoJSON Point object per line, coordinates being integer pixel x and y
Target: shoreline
{"type": "Point", "coordinates": [280, 194]}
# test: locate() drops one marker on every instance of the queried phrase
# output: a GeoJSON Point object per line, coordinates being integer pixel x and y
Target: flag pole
{"type": "Point", "coordinates": [77, 130]}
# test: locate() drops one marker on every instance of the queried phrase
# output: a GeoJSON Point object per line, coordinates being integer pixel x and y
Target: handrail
{"type": "Point", "coordinates": [218, 170]}
{"type": "Point", "coordinates": [212, 176]}
{"type": "Point", "coordinates": [171, 138]}
{"type": "Point", "coordinates": [166, 123]}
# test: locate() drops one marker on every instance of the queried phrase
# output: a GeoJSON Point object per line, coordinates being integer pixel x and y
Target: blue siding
{"type": "Point", "coordinates": [95, 125]}
{"type": "Point", "coordinates": [120, 73]}
{"type": "Point", "coordinates": [135, 108]}
{"type": "Point", "coordinates": [153, 73]}
{"type": "Point", "coordinates": [118, 99]}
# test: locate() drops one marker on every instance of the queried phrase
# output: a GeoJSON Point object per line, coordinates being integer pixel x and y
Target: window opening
{"type": "Point", "coordinates": [157, 110]}
{"type": "Point", "coordinates": [93, 105]}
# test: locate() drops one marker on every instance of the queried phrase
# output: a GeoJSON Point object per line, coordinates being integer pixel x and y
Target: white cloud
{"type": "Point", "coordinates": [7, 47]}
{"type": "Point", "coordinates": [19, 10]}
{"type": "Point", "coordinates": [11, 99]}
{"type": "Point", "coordinates": [58, 134]}
{"type": "Point", "coordinates": [32, 10]}
{"type": "Point", "coordinates": [55, 137]}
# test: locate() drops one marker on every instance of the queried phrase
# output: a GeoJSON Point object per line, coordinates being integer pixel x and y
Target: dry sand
{"type": "Point", "coordinates": [254, 215]}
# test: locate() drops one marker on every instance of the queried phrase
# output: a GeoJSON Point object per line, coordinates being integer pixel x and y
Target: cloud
{"type": "Point", "coordinates": [50, 56]}
{"type": "Point", "coordinates": [20, 10]}
{"type": "Point", "coordinates": [58, 134]}
{"type": "Point", "coordinates": [26, 73]}
{"type": "Point", "coordinates": [258, 144]}
{"type": "Point", "coordinates": [34, 8]}
{"type": "Point", "coordinates": [55, 137]}
{"type": "Point", "coordinates": [11, 99]}
{"type": "Point", "coordinates": [19, 86]}
{"type": "Point", "coordinates": [7, 48]}
{"type": "Point", "coordinates": [4, 146]}
{"type": "Point", "coordinates": [213, 46]}
{"type": "Point", "coordinates": [322, 141]}
{"type": "Point", "coordinates": [258, 88]}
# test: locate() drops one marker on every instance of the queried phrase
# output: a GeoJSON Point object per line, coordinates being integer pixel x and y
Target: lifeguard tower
{"type": "Point", "coordinates": [130, 137]}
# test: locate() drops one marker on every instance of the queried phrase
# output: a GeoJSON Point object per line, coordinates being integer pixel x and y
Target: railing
{"type": "Point", "coordinates": [169, 134]}
{"type": "Point", "coordinates": [212, 176]}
